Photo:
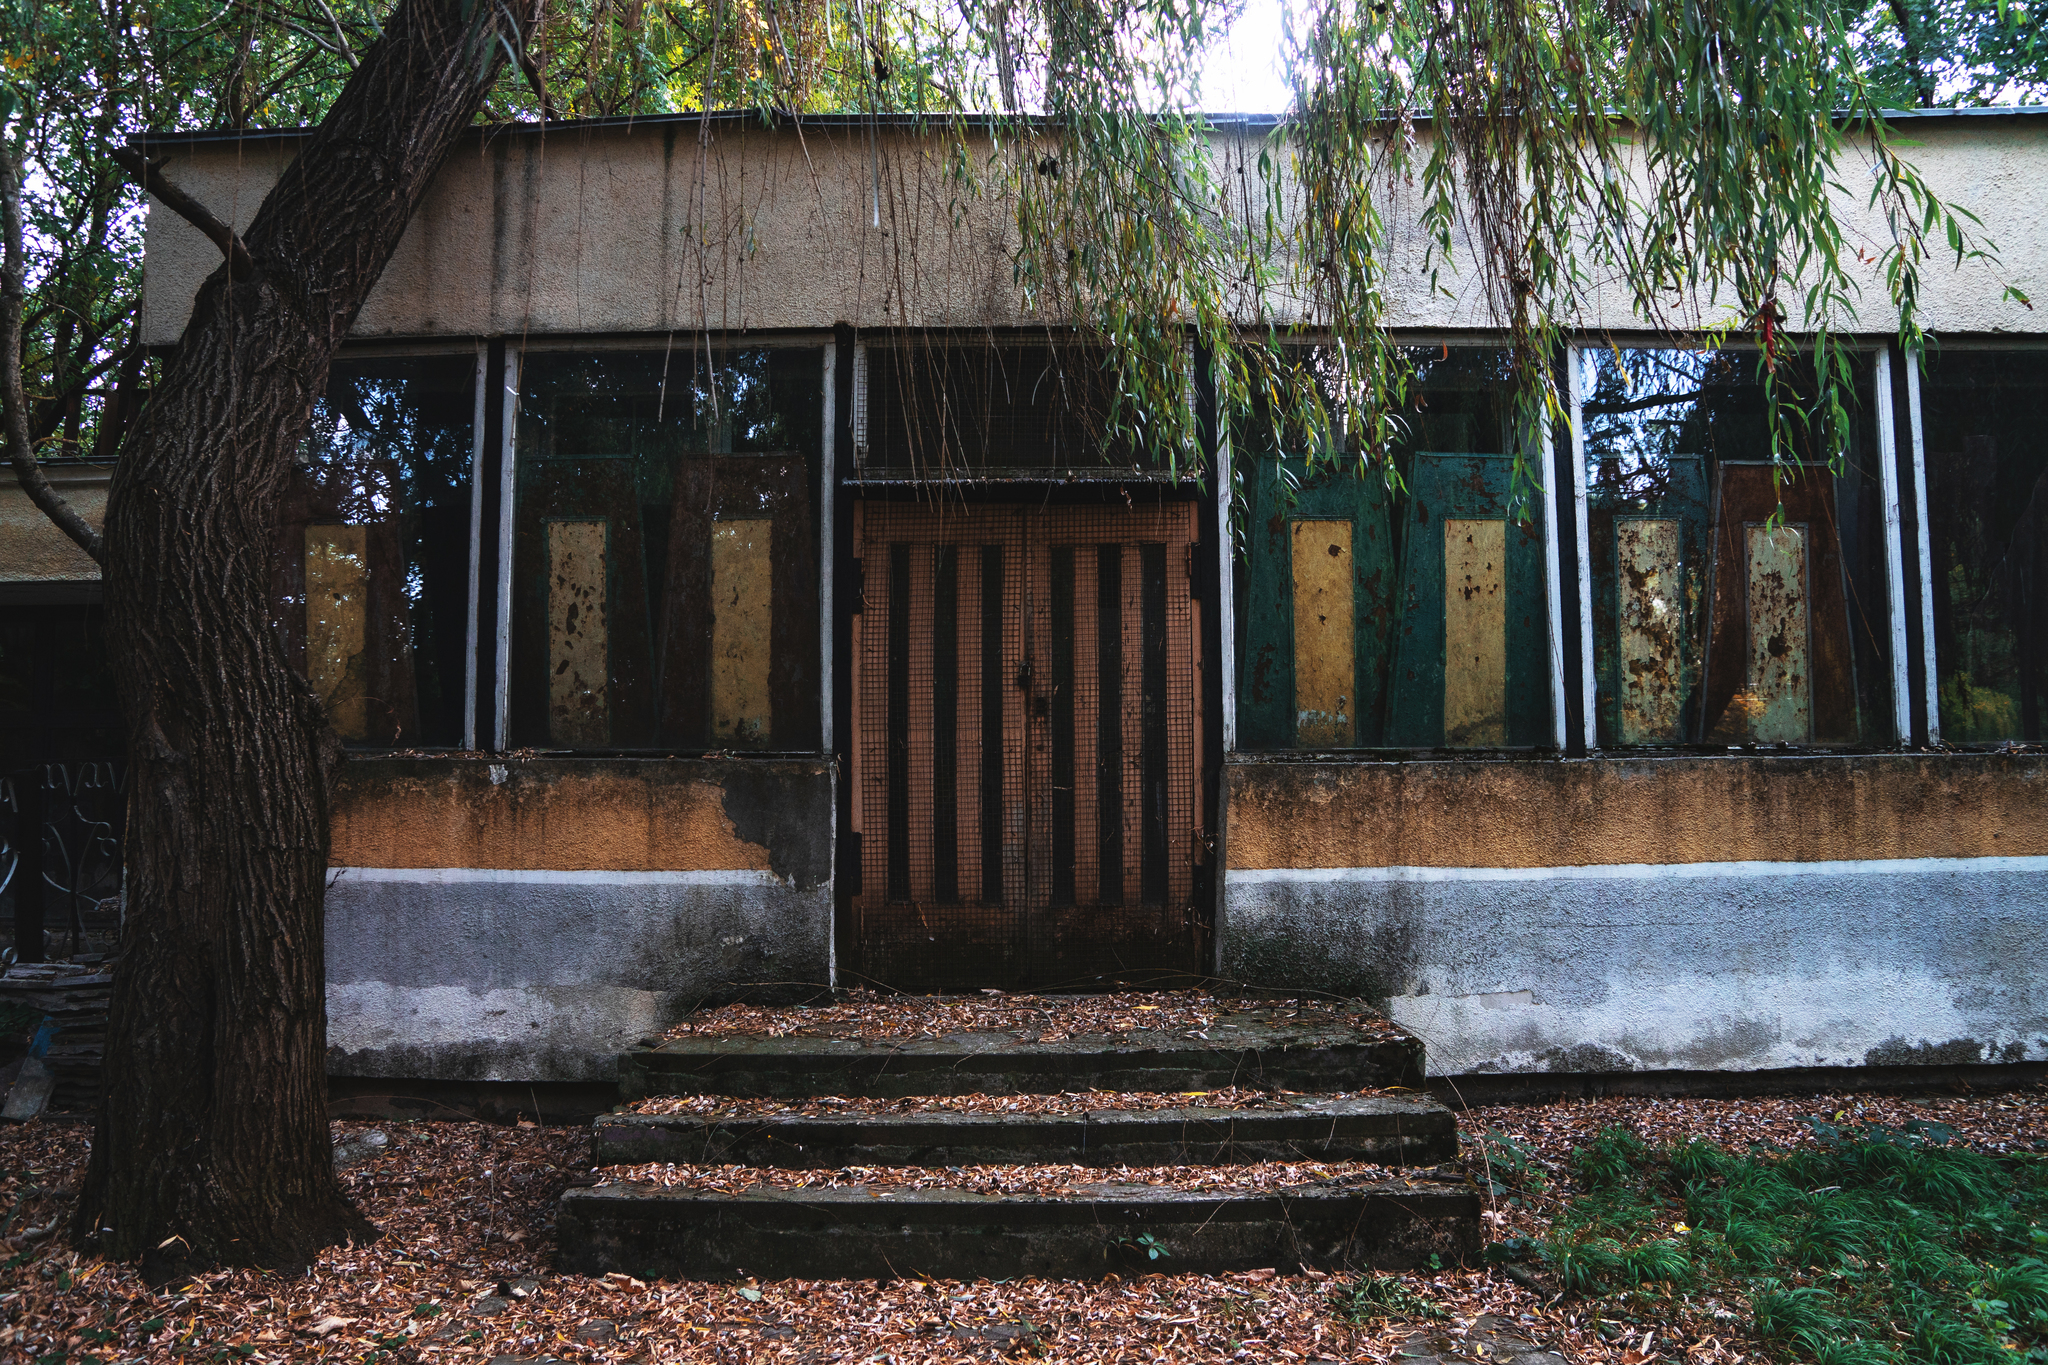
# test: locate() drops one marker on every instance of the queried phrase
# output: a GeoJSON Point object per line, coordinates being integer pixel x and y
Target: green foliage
{"type": "Point", "coordinates": [1380, 1296]}
{"type": "Point", "coordinates": [1879, 1245]}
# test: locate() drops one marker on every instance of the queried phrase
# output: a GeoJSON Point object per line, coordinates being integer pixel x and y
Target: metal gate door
{"type": "Point", "coordinates": [1027, 766]}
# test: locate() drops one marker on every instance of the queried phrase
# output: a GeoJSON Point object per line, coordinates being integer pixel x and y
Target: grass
{"type": "Point", "coordinates": [1880, 1246]}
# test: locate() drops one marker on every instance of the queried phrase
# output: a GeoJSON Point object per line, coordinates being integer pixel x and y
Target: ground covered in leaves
{"type": "Point", "coordinates": [463, 1272]}
{"type": "Point", "coordinates": [1033, 1018]}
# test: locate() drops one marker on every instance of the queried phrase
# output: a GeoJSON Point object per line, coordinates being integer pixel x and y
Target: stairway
{"type": "Point", "coordinates": [1268, 1136]}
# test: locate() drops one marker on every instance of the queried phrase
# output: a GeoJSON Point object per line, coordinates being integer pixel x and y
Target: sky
{"type": "Point", "coordinates": [1243, 74]}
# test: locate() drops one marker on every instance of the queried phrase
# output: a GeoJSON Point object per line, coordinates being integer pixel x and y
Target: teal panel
{"type": "Point", "coordinates": [1477, 487]}
{"type": "Point", "coordinates": [1265, 675]}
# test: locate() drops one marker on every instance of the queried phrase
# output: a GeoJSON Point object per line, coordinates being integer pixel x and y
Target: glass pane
{"type": "Point", "coordinates": [665, 582]}
{"type": "Point", "coordinates": [1711, 624]}
{"type": "Point", "coordinates": [1987, 521]}
{"type": "Point", "coordinates": [371, 563]}
{"type": "Point", "coordinates": [1412, 616]}
{"type": "Point", "coordinates": [941, 408]}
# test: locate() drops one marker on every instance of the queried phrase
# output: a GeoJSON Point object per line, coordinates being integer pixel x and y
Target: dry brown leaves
{"type": "Point", "coordinates": [1041, 1018]}
{"type": "Point", "coordinates": [1072, 1102]}
{"type": "Point", "coordinates": [1045, 1182]}
{"type": "Point", "coordinates": [466, 1207]}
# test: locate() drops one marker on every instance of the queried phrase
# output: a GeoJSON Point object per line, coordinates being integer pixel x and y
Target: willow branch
{"type": "Point", "coordinates": [240, 264]}
{"type": "Point", "coordinates": [20, 452]}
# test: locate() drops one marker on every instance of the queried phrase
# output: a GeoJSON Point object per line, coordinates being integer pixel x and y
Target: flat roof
{"type": "Point", "coordinates": [779, 119]}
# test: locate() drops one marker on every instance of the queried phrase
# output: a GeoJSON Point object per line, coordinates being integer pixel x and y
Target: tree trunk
{"type": "Point", "coordinates": [212, 1145]}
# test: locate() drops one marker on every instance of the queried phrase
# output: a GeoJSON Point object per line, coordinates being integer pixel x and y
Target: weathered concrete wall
{"type": "Point", "coordinates": [506, 920]}
{"type": "Point", "coordinates": [1691, 913]}
{"type": "Point", "coordinates": [619, 229]}
{"type": "Point", "coordinates": [32, 549]}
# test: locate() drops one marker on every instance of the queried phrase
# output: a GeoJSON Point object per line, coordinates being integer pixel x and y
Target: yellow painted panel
{"type": "Point", "coordinates": [1325, 661]}
{"type": "Point", "coordinates": [337, 612]}
{"type": "Point", "coordinates": [1651, 619]}
{"type": "Point", "coordinates": [1475, 633]}
{"type": "Point", "coordinates": [579, 647]}
{"type": "Point", "coordinates": [742, 626]}
{"type": "Point", "coordinates": [1780, 681]}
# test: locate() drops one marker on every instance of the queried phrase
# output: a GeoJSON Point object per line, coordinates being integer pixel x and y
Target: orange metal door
{"type": "Point", "coordinates": [1027, 758]}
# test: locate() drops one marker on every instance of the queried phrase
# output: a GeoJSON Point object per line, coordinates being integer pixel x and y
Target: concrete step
{"type": "Point", "coordinates": [1248, 1048]}
{"type": "Point", "coordinates": [857, 1232]}
{"type": "Point", "coordinates": [1380, 1129]}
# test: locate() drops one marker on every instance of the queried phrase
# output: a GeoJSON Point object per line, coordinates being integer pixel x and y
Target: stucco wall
{"type": "Point", "coordinates": [31, 546]}
{"type": "Point", "coordinates": [1695, 913]}
{"type": "Point", "coordinates": [645, 229]}
{"type": "Point", "coordinates": [506, 920]}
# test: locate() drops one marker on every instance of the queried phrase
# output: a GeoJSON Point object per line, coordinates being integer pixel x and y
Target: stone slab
{"type": "Point", "coordinates": [1246, 1049]}
{"type": "Point", "coordinates": [865, 1233]}
{"type": "Point", "coordinates": [1393, 1132]}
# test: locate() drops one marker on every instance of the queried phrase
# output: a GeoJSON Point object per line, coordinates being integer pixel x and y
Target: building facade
{"type": "Point", "coordinates": [727, 592]}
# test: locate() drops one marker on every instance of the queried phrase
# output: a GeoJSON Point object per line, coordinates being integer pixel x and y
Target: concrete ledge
{"type": "Point", "coordinates": [1524, 1087]}
{"type": "Point", "coordinates": [1281, 1057]}
{"type": "Point", "coordinates": [1392, 1132]}
{"type": "Point", "coordinates": [859, 1233]}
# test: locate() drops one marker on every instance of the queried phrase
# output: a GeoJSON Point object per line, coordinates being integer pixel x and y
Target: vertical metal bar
{"type": "Point", "coordinates": [1583, 526]}
{"type": "Point", "coordinates": [992, 681]}
{"type": "Point", "coordinates": [945, 724]}
{"type": "Point", "coordinates": [899, 721]}
{"type": "Point", "coordinates": [1152, 750]}
{"type": "Point", "coordinates": [502, 627]}
{"type": "Point", "coordinates": [1913, 363]}
{"type": "Point", "coordinates": [1224, 605]}
{"type": "Point", "coordinates": [1109, 721]}
{"type": "Point", "coordinates": [478, 424]}
{"type": "Point", "coordinates": [1894, 550]}
{"type": "Point", "coordinates": [1553, 587]}
{"type": "Point", "coordinates": [1062, 868]}
{"type": "Point", "coordinates": [828, 483]}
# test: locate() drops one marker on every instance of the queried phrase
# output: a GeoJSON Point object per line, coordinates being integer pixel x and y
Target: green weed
{"type": "Point", "coordinates": [1380, 1296]}
{"type": "Point", "coordinates": [1880, 1246]}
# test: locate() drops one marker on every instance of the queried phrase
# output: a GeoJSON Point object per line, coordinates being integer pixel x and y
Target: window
{"type": "Point", "coordinates": [665, 563]}
{"type": "Point", "coordinates": [371, 567]}
{"type": "Point", "coordinates": [1717, 618]}
{"type": "Point", "coordinates": [1987, 512]}
{"type": "Point", "coordinates": [1410, 616]}
{"type": "Point", "coordinates": [939, 408]}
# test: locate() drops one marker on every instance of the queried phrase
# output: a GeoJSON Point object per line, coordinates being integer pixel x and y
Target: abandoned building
{"type": "Point", "coordinates": [727, 591]}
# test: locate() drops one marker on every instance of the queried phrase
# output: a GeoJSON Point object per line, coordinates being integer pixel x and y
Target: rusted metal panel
{"type": "Point", "coordinates": [742, 630]}
{"type": "Point", "coordinates": [579, 681]}
{"type": "Point", "coordinates": [1475, 633]}
{"type": "Point", "coordinates": [337, 614]}
{"type": "Point", "coordinates": [1780, 674]}
{"type": "Point", "coordinates": [1325, 654]}
{"type": "Point", "coordinates": [1650, 621]}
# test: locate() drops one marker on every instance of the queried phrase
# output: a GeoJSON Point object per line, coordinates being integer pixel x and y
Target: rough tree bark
{"type": "Point", "coordinates": [212, 1145]}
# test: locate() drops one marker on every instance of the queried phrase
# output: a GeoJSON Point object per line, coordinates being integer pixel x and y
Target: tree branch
{"type": "Point", "coordinates": [240, 264]}
{"type": "Point", "coordinates": [19, 451]}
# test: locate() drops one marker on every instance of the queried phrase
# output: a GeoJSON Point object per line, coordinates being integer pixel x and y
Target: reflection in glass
{"type": "Point", "coordinates": [1715, 621]}
{"type": "Point", "coordinates": [1987, 513]}
{"type": "Point", "coordinates": [665, 584]}
{"type": "Point", "coordinates": [1412, 616]}
{"type": "Point", "coordinates": [370, 566]}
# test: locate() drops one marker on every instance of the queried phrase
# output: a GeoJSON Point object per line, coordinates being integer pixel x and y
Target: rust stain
{"type": "Point", "coordinates": [1325, 658]}
{"type": "Point", "coordinates": [579, 653]}
{"type": "Point", "coordinates": [538, 817]}
{"type": "Point", "coordinates": [1662, 810]}
{"type": "Point", "coordinates": [1780, 677]}
{"type": "Point", "coordinates": [337, 607]}
{"type": "Point", "coordinates": [1475, 633]}
{"type": "Point", "coordinates": [1651, 617]}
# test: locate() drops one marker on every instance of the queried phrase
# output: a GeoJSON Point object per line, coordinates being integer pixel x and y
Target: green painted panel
{"type": "Point", "coordinates": [1455, 487]}
{"type": "Point", "coordinates": [1266, 712]}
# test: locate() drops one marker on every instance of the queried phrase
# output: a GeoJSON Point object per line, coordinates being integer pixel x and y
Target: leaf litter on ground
{"type": "Point", "coordinates": [464, 1269]}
